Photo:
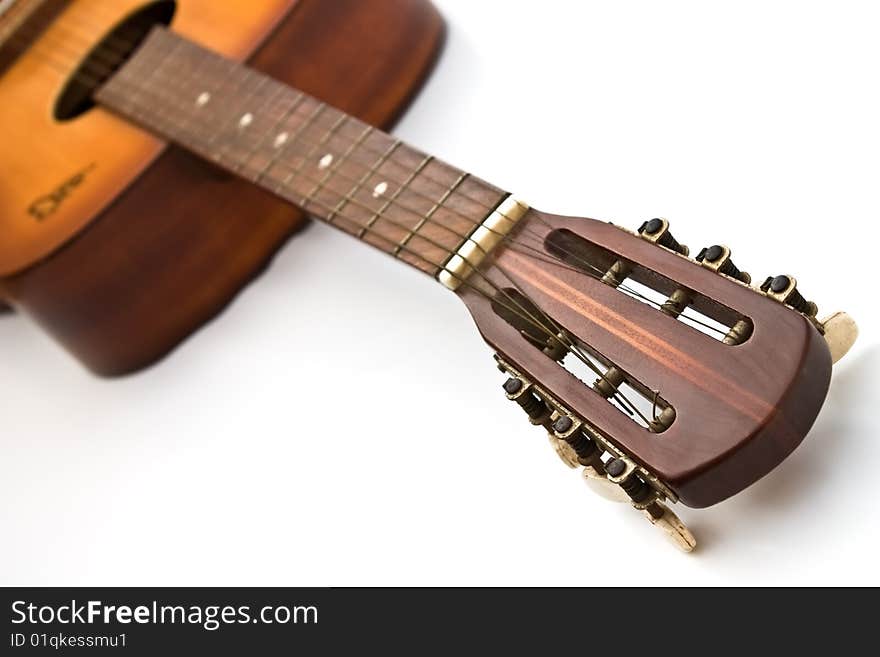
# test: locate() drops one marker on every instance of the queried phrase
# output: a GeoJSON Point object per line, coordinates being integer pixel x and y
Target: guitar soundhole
{"type": "Point", "coordinates": [107, 56]}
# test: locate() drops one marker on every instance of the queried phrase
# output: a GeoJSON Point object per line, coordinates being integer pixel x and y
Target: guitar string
{"type": "Point", "coordinates": [528, 316]}
{"type": "Point", "coordinates": [519, 310]}
{"type": "Point", "coordinates": [428, 178]}
{"type": "Point", "coordinates": [45, 44]}
{"type": "Point", "coordinates": [379, 214]}
{"type": "Point", "coordinates": [414, 212]}
{"type": "Point", "coordinates": [366, 149]}
{"type": "Point", "coordinates": [443, 247]}
{"type": "Point", "coordinates": [237, 166]}
{"type": "Point", "coordinates": [403, 226]}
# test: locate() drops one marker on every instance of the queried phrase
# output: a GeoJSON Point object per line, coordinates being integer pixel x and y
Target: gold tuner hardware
{"type": "Point", "coordinates": [662, 517]}
{"type": "Point", "coordinates": [608, 471]}
{"type": "Point", "coordinates": [520, 392]}
{"type": "Point", "coordinates": [840, 331]}
{"type": "Point", "coordinates": [657, 230]}
{"type": "Point", "coordinates": [570, 431]}
{"type": "Point", "coordinates": [783, 288]}
{"type": "Point", "coordinates": [603, 487]}
{"type": "Point", "coordinates": [717, 258]}
{"type": "Point", "coordinates": [564, 451]}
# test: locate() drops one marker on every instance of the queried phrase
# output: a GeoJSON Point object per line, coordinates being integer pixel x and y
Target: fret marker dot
{"type": "Point", "coordinates": [246, 120]}
{"type": "Point", "coordinates": [203, 99]}
{"type": "Point", "coordinates": [325, 161]}
{"type": "Point", "coordinates": [281, 139]}
{"type": "Point", "coordinates": [380, 189]}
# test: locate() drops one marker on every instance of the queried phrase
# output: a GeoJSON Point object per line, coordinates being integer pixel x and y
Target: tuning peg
{"type": "Point", "coordinates": [840, 332]}
{"type": "Point", "coordinates": [564, 451]}
{"type": "Point", "coordinates": [570, 431]}
{"type": "Point", "coordinates": [622, 472]}
{"type": "Point", "coordinates": [602, 486]}
{"type": "Point", "coordinates": [520, 392]}
{"type": "Point", "coordinates": [657, 230]}
{"type": "Point", "coordinates": [717, 258]}
{"type": "Point", "coordinates": [662, 517]}
{"type": "Point", "coordinates": [783, 288]}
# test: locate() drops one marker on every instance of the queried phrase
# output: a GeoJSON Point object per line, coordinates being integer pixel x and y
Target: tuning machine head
{"type": "Point", "coordinates": [609, 472]}
{"type": "Point", "coordinates": [717, 258]}
{"type": "Point", "coordinates": [657, 230]}
{"type": "Point", "coordinates": [783, 288]}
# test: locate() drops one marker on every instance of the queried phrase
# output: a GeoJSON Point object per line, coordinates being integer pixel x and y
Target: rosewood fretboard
{"type": "Point", "coordinates": [332, 165]}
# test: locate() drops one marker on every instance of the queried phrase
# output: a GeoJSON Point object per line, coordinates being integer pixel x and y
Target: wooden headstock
{"type": "Point", "coordinates": [723, 380]}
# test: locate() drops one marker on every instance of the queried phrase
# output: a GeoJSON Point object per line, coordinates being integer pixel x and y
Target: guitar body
{"type": "Point", "coordinates": [119, 246]}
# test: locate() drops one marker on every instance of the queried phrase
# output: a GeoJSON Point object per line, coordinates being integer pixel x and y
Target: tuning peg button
{"type": "Point", "coordinates": [783, 288]}
{"type": "Point", "coordinates": [717, 258]}
{"type": "Point", "coordinates": [657, 230]}
{"type": "Point", "coordinates": [520, 392]}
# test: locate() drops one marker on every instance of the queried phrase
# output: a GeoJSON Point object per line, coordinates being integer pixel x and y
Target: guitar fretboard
{"type": "Point", "coordinates": [335, 167]}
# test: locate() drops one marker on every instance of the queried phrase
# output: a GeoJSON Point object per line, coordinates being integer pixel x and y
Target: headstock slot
{"type": "Point", "coordinates": [692, 309]}
{"type": "Point", "coordinates": [739, 411]}
{"type": "Point", "coordinates": [646, 407]}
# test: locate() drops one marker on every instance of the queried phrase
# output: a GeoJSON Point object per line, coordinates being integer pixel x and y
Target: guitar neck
{"type": "Point", "coordinates": [332, 165]}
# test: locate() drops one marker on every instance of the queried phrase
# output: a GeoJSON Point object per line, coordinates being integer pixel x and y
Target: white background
{"type": "Point", "coordinates": [342, 422]}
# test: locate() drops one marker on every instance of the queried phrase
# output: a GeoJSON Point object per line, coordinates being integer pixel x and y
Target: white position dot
{"type": "Point", "coordinates": [246, 120]}
{"type": "Point", "coordinates": [281, 139]}
{"type": "Point", "coordinates": [203, 99]}
{"type": "Point", "coordinates": [380, 189]}
{"type": "Point", "coordinates": [325, 161]}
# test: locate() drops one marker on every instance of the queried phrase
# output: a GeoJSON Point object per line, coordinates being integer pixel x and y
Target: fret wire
{"type": "Point", "coordinates": [319, 109]}
{"type": "Point", "coordinates": [374, 168]}
{"type": "Point", "coordinates": [277, 91]}
{"type": "Point", "coordinates": [477, 202]}
{"type": "Point", "coordinates": [394, 196]}
{"type": "Point", "coordinates": [170, 99]}
{"type": "Point", "coordinates": [373, 231]}
{"type": "Point", "coordinates": [384, 157]}
{"type": "Point", "coordinates": [283, 97]}
{"type": "Point", "coordinates": [158, 77]}
{"type": "Point", "coordinates": [368, 229]}
{"type": "Point", "coordinates": [386, 205]}
{"type": "Point", "coordinates": [278, 151]}
{"type": "Point", "coordinates": [461, 178]}
{"type": "Point", "coordinates": [439, 266]}
{"type": "Point", "coordinates": [151, 73]}
{"type": "Point", "coordinates": [342, 158]}
{"type": "Point", "coordinates": [186, 83]}
{"type": "Point", "coordinates": [218, 90]}
{"type": "Point", "coordinates": [217, 112]}
{"type": "Point", "coordinates": [372, 171]}
{"type": "Point", "coordinates": [382, 210]}
{"type": "Point", "coordinates": [241, 104]}
{"type": "Point", "coordinates": [180, 88]}
{"type": "Point", "coordinates": [313, 148]}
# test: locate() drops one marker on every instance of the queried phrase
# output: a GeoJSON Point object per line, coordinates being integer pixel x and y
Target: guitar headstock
{"type": "Point", "coordinates": [663, 372]}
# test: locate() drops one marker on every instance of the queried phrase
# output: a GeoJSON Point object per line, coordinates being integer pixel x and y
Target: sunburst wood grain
{"type": "Point", "coordinates": [175, 247]}
{"type": "Point", "coordinates": [41, 153]}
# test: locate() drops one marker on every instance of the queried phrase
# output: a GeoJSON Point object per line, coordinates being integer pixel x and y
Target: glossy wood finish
{"type": "Point", "coordinates": [339, 169]}
{"type": "Point", "coordinates": [178, 244]}
{"type": "Point", "coordinates": [740, 409]}
{"type": "Point", "coordinates": [101, 154]}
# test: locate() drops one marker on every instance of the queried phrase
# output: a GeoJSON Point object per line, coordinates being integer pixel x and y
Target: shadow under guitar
{"type": "Point", "coordinates": [811, 481]}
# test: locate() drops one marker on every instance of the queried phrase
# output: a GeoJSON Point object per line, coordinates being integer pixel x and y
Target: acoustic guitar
{"type": "Point", "coordinates": [157, 154]}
